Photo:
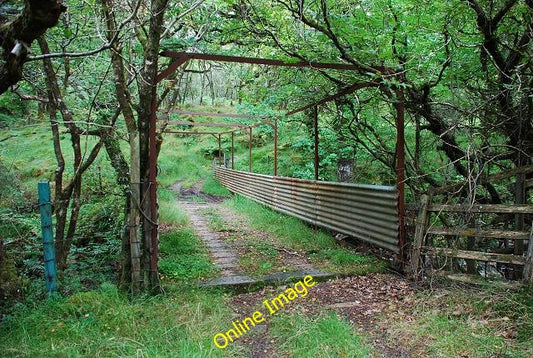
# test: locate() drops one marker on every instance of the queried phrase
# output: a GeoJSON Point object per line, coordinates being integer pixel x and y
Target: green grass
{"type": "Point", "coordinates": [213, 187]}
{"type": "Point", "coordinates": [461, 321]}
{"type": "Point", "coordinates": [183, 257]}
{"type": "Point", "coordinates": [216, 222]}
{"type": "Point", "coordinates": [296, 235]}
{"type": "Point", "coordinates": [261, 258]}
{"type": "Point", "coordinates": [292, 232]}
{"type": "Point", "coordinates": [316, 337]}
{"type": "Point", "coordinates": [104, 323]}
{"type": "Point", "coordinates": [169, 211]}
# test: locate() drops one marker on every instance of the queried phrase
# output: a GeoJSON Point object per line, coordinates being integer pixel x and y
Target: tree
{"type": "Point", "coordinates": [16, 37]}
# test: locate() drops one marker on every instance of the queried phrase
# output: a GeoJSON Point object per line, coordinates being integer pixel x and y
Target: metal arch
{"type": "Point", "coordinates": [182, 57]}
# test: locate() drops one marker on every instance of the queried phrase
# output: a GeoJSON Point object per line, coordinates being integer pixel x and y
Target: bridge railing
{"type": "Point", "coordinates": [366, 212]}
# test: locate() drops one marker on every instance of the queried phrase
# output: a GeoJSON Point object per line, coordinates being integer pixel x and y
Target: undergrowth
{"type": "Point", "coordinates": [104, 323]}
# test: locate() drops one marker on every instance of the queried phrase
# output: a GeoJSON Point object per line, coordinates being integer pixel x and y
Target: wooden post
{"type": "Point", "coordinates": [315, 122]}
{"type": "Point", "coordinates": [520, 198]}
{"type": "Point", "coordinates": [45, 208]}
{"type": "Point", "coordinates": [420, 233]}
{"type": "Point", "coordinates": [528, 267]}
{"type": "Point", "coordinates": [232, 155]}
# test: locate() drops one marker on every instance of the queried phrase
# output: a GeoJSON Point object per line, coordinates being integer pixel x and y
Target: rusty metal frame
{"type": "Point", "coordinates": [180, 58]}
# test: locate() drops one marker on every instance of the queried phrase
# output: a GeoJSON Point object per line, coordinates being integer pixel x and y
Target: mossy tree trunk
{"type": "Point", "coordinates": [16, 37]}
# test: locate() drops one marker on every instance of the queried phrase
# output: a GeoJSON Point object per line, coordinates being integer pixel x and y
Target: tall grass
{"type": "Point", "coordinates": [104, 323]}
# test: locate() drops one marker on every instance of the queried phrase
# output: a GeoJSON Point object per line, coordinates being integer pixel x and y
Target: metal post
{"type": "Point", "coordinates": [219, 151]}
{"type": "Point", "coordinates": [400, 174]}
{"type": "Point", "coordinates": [250, 149]}
{"type": "Point", "coordinates": [275, 147]}
{"type": "Point", "coordinates": [232, 156]}
{"type": "Point", "coordinates": [45, 207]}
{"type": "Point", "coordinates": [152, 166]}
{"type": "Point", "coordinates": [315, 119]}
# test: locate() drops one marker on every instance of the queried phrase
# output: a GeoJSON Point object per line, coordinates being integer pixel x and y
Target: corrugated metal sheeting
{"type": "Point", "coordinates": [366, 212]}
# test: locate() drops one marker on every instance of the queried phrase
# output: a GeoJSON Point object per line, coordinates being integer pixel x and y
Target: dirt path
{"type": "Point", "coordinates": [360, 300]}
{"type": "Point", "coordinates": [229, 243]}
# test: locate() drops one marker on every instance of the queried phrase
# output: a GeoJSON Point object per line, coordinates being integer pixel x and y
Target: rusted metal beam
{"type": "Point", "coordinates": [250, 149]}
{"type": "Point", "coordinates": [315, 122]}
{"type": "Point", "coordinates": [174, 65]}
{"type": "Point", "coordinates": [152, 176]}
{"type": "Point", "coordinates": [343, 92]}
{"type": "Point", "coordinates": [206, 124]}
{"type": "Point", "coordinates": [264, 61]}
{"type": "Point", "coordinates": [232, 149]}
{"type": "Point", "coordinates": [275, 147]}
{"type": "Point", "coordinates": [400, 176]}
{"type": "Point", "coordinates": [193, 133]}
{"type": "Point", "coordinates": [219, 151]}
{"type": "Point", "coordinates": [208, 114]}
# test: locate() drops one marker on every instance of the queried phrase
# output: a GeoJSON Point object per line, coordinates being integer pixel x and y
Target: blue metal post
{"type": "Point", "coordinates": [45, 207]}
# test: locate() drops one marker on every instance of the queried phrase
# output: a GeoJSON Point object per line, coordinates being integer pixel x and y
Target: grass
{"type": "Point", "coordinates": [461, 321]}
{"type": "Point", "coordinates": [169, 211]}
{"type": "Point", "coordinates": [296, 235]}
{"type": "Point", "coordinates": [183, 257]}
{"type": "Point", "coordinates": [316, 337]}
{"type": "Point", "coordinates": [104, 323]}
{"type": "Point", "coordinates": [291, 232]}
{"type": "Point", "coordinates": [261, 258]}
{"type": "Point", "coordinates": [213, 187]}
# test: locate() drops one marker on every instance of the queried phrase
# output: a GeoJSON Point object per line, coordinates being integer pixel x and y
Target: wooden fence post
{"type": "Point", "coordinates": [528, 267]}
{"type": "Point", "coordinates": [421, 223]}
{"type": "Point", "coordinates": [45, 207]}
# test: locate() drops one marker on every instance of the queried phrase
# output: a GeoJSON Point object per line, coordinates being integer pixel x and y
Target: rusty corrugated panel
{"type": "Point", "coordinates": [366, 212]}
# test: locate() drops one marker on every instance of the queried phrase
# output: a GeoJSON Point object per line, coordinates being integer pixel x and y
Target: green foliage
{"type": "Point", "coordinates": [322, 336]}
{"type": "Point", "coordinates": [213, 187]}
{"type": "Point", "coordinates": [183, 257]}
{"type": "Point", "coordinates": [106, 323]}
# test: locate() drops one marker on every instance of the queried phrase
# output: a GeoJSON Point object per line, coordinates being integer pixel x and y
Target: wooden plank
{"type": "Point", "coordinates": [421, 224]}
{"type": "Point", "coordinates": [488, 208]}
{"type": "Point", "coordinates": [471, 232]}
{"type": "Point", "coordinates": [476, 255]}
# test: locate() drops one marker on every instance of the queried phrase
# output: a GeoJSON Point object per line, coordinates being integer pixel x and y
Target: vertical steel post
{"type": "Point", "coordinates": [45, 208]}
{"type": "Point", "coordinates": [276, 147]}
{"type": "Point", "coordinates": [315, 119]}
{"type": "Point", "coordinates": [250, 149]}
{"type": "Point", "coordinates": [219, 151]}
{"type": "Point", "coordinates": [232, 156]}
{"type": "Point", "coordinates": [152, 166]}
{"type": "Point", "coordinates": [400, 175]}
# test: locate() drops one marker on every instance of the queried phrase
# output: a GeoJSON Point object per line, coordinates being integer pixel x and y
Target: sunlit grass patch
{"type": "Point", "coordinates": [323, 336]}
